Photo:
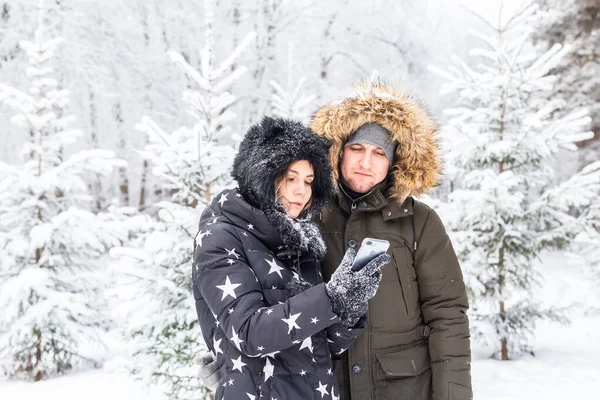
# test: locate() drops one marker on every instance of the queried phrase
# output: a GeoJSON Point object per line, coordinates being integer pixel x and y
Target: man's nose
{"type": "Point", "coordinates": [365, 160]}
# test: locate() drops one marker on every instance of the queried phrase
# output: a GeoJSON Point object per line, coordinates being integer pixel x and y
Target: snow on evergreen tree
{"type": "Point", "coordinates": [576, 22]}
{"type": "Point", "coordinates": [193, 165]}
{"type": "Point", "coordinates": [51, 245]}
{"type": "Point", "coordinates": [501, 138]}
{"type": "Point", "coordinates": [586, 255]}
{"type": "Point", "coordinates": [291, 102]}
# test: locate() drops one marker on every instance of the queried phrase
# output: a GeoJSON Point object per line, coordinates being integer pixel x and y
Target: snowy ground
{"type": "Point", "coordinates": [566, 365]}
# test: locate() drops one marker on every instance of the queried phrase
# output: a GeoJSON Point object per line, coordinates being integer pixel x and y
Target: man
{"type": "Point", "coordinates": [416, 344]}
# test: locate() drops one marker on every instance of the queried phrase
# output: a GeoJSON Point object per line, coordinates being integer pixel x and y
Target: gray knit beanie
{"type": "Point", "coordinates": [376, 135]}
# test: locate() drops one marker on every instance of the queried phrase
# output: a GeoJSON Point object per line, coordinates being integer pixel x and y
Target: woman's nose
{"type": "Point", "coordinates": [300, 190]}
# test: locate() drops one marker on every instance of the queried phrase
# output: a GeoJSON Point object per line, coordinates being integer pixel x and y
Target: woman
{"type": "Point", "coordinates": [263, 307]}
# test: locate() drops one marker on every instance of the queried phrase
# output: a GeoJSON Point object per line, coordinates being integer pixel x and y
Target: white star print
{"type": "Point", "coordinates": [296, 276]}
{"type": "Point", "coordinates": [230, 311]}
{"type": "Point", "coordinates": [231, 382]}
{"type": "Point", "coordinates": [236, 339]}
{"type": "Point", "coordinates": [199, 237]}
{"type": "Point", "coordinates": [337, 334]}
{"type": "Point", "coordinates": [228, 288]}
{"type": "Point", "coordinates": [291, 322]}
{"type": "Point", "coordinates": [223, 199]}
{"type": "Point", "coordinates": [244, 233]}
{"type": "Point", "coordinates": [230, 261]}
{"type": "Point", "coordinates": [322, 389]}
{"type": "Point", "coordinates": [314, 320]}
{"type": "Point", "coordinates": [274, 268]}
{"type": "Point", "coordinates": [238, 195]}
{"type": "Point", "coordinates": [333, 396]}
{"type": "Point", "coordinates": [307, 344]}
{"type": "Point", "coordinates": [260, 348]}
{"type": "Point", "coordinates": [250, 227]}
{"type": "Point", "coordinates": [268, 369]}
{"type": "Point", "coordinates": [238, 364]}
{"type": "Point", "coordinates": [302, 373]}
{"type": "Point", "coordinates": [269, 311]}
{"type": "Point", "coordinates": [341, 351]}
{"type": "Point", "coordinates": [271, 355]}
{"type": "Point", "coordinates": [233, 253]}
{"type": "Point", "coordinates": [213, 222]}
{"type": "Point", "coordinates": [328, 371]}
{"type": "Point", "coordinates": [251, 397]}
{"type": "Point", "coordinates": [217, 346]}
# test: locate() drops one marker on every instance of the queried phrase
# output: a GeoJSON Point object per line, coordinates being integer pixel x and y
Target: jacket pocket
{"type": "Point", "coordinates": [405, 273]}
{"type": "Point", "coordinates": [402, 363]}
{"type": "Point", "coordinates": [460, 392]}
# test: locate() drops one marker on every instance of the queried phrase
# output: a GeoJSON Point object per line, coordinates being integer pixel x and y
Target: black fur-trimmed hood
{"type": "Point", "coordinates": [268, 149]}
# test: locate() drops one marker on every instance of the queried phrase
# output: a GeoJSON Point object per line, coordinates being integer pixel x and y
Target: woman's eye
{"type": "Point", "coordinates": [309, 183]}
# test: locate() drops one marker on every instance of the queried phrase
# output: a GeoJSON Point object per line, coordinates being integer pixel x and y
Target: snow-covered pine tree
{"type": "Point", "coordinates": [50, 243]}
{"type": "Point", "coordinates": [291, 102]}
{"type": "Point", "coordinates": [576, 22]}
{"type": "Point", "coordinates": [193, 164]}
{"type": "Point", "coordinates": [501, 138]}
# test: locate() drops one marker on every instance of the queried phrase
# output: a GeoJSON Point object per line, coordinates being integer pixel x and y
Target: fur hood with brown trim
{"type": "Point", "coordinates": [416, 161]}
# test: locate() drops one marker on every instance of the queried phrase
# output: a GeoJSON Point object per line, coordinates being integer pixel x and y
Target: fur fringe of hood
{"type": "Point", "coordinates": [416, 166]}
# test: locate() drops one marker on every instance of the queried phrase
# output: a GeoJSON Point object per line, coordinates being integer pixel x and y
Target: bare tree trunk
{"type": "Point", "coordinates": [123, 176]}
{"type": "Point", "coordinates": [96, 185]}
{"type": "Point", "coordinates": [326, 58]}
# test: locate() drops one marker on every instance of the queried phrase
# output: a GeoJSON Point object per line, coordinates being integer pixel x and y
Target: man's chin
{"type": "Point", "coordinates": [360, 187]}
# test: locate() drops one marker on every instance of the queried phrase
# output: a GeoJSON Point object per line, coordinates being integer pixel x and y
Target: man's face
{"type": "Point", "coordinates": [363, 166]}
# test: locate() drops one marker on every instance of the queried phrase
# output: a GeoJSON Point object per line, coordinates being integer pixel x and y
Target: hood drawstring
{"type": "Point", "coordinates": [413, 225]}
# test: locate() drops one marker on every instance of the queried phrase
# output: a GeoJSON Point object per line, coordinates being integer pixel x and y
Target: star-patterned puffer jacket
{"type": "Point", "coordinates": [272, 340]}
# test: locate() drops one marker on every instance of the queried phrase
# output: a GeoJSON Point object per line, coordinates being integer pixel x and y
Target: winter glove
{"type": "Point", "coordinates": [209, 371]}
{"type": "Point", "coordinates": [351, 317]}
{"type": "Point", "coordinates": [347, 290]}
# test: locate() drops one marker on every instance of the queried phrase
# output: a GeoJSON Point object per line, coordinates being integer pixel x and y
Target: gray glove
{"type": "Point", "coordinates": [348, 290]}
{"type": "Point", "coordinates": [351, 317]}
{"type": "Point", "coordinates": [209, 371]}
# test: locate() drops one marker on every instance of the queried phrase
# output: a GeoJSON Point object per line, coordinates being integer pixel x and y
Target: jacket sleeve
{"type": "Point", "coordinates": [235, 297]}
{"type": "Point", "coordinates": [340, 338]}
{"type": "Point", "coordinates": [444, 305]}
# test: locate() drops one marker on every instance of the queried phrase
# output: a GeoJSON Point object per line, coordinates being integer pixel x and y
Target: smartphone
{"type": "Point", "coordinates": [369, 249]}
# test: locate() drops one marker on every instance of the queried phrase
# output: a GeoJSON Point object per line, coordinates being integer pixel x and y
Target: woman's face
{"type": "Point", "coordinates": [296, 188]}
